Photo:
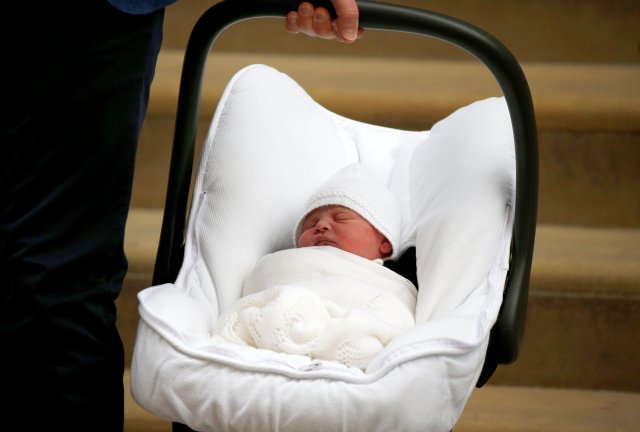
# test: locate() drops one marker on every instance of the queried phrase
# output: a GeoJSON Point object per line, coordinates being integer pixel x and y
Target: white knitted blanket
{"type": "Point", "coordinates": [320, 302]}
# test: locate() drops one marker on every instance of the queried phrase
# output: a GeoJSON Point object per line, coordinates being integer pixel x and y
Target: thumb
{"type": "Point", "coordinates": [347, 12]}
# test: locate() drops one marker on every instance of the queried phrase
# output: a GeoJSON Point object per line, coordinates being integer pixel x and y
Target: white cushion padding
{"type": "Point", "coordinates": [270, 145]}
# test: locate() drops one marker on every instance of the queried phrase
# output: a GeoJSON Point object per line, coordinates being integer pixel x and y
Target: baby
{"type": "Point", "coordinates": [330, 298]}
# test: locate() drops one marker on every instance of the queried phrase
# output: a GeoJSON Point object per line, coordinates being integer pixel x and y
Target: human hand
{"type": "Point", "coordinates": [317, 21]}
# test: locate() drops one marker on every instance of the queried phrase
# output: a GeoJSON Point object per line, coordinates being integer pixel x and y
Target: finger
{"type": "Point", "coordinates": [305, 18]}
{"type": "Point", "coordinates": [347, 21]}
{"type": "Point", "coordinates": [291, 22]}
{"type": "Point", "coordinates": [322, 24]}
{"type": "Point", "coordinates": [336, 32]}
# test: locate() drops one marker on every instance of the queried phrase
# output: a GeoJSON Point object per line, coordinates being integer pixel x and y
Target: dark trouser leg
{"type": "Point", "coordinates": [72, 106]}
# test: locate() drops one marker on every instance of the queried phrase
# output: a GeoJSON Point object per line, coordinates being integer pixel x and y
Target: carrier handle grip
{"type": "Point", "coordinates": [506, 335]}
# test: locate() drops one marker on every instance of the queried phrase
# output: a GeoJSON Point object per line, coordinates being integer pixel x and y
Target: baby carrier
{"type": "Point", "coordinates": [467, 189]}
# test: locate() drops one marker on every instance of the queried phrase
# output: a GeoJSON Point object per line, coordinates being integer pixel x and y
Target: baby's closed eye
{"type": "Point", "coordinates": [343, 217]}
{"type": "Point", "coordinates": [309, 223]}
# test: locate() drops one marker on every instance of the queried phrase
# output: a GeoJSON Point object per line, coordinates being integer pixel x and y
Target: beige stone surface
{"type": "Point", "coordinates": [568, 96]}
{"type": "Point", "coordinates": [530, 409]}
{"type": "Point", "coordinates": [602, 262]}
{"type": "Point", "coordinates": [542, 30]}
{"type": "Point", "coordinates": [577, 341]}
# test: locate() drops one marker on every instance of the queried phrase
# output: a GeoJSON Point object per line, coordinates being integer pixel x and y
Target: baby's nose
{"type": "Point", "coordinates": [323, 224]}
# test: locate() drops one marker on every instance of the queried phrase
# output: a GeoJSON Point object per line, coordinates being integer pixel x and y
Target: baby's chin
{"type": "Point", "coordinates": [329, 243]}
{"type": "Point", "coordinates": [326, 243]}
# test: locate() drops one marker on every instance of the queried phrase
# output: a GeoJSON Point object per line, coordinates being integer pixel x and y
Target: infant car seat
{"type": "Point", "coordinates": [467, 189]}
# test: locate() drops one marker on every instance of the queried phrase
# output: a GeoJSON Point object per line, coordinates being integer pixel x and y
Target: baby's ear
{"type": "Point", "coordinates": [385, 247]}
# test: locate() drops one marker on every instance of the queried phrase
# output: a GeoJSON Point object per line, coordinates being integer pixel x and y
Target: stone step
{"type": "Point", "coordinates": [584, 305]}
{"type": "Point", "coordinates": [588, 119]}
{"type": "Point", "coordinates": [584, 311]}
{"type": "Point", "coordinates": [496, 409]}
{"type": "Point", "coordinates": [588, 31]}
{"type": "Point", "coordinates": [531, 409]}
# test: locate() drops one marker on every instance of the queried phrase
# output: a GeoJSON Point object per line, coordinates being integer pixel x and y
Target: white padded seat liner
{"type": "Point", "coordinates": [269, 146]}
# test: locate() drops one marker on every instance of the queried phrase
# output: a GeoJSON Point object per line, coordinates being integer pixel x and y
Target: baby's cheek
{"type": "Point", "coordinates": [303, 240]}
{"type": "Point", "coordinates": [365, 245]}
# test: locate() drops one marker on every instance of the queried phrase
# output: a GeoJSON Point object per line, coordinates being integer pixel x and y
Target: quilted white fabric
{"type": "Point", "coordinates": [269, 147]}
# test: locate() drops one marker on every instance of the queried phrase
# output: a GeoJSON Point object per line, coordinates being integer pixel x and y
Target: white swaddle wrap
{"type": "Point", "coordinates": [321, 302]}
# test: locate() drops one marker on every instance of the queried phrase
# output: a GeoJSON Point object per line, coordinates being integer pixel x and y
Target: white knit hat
{"type": "Point", "coordinates": [355, 188]}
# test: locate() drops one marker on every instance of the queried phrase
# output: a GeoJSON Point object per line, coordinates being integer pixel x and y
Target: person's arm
{"type": "Point", "coordinates": [317, 22]}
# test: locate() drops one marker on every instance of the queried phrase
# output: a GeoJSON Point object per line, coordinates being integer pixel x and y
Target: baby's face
{"type": "Point", "coordinates": [345, 229]}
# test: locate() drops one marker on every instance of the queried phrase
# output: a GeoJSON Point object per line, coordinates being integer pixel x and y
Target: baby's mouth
{"type": "Point", "coordinates": [324, 242]}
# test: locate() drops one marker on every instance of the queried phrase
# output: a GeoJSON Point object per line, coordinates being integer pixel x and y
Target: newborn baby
{"type": "Point", "coordinates": [330, 298]}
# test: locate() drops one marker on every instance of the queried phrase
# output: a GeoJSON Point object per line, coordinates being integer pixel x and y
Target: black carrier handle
{"type": "Point", "coordinates": [508, 331]}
